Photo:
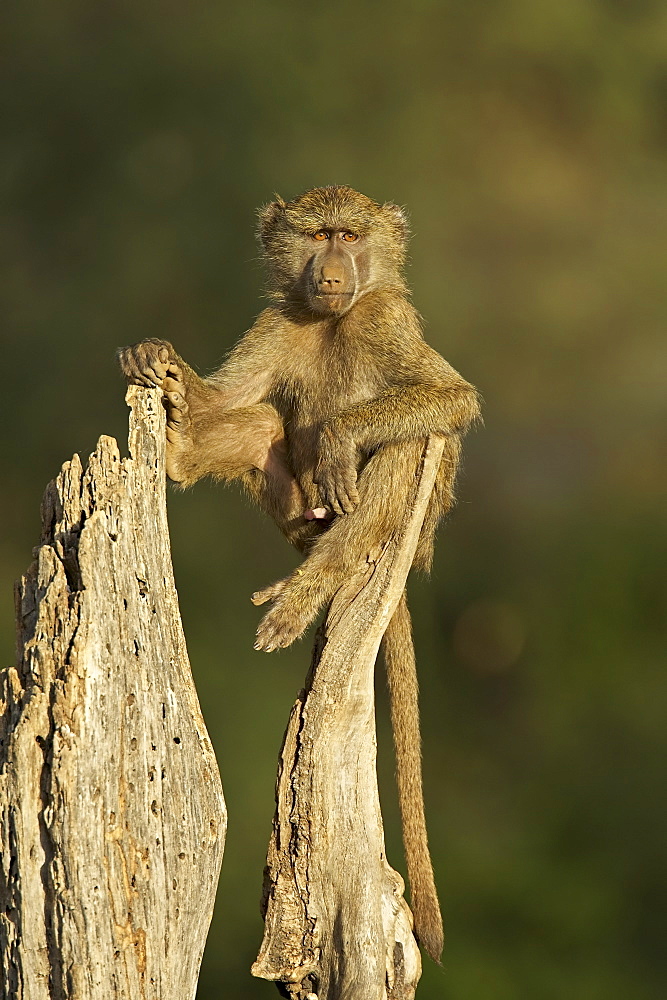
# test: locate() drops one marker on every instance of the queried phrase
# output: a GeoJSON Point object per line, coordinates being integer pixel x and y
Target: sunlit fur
{"type": "Point", "coordinates": [312, 409]}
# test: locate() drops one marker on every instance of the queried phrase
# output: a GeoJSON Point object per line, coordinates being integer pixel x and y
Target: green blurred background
{"type": "Point", "coordinates": [528, 142]}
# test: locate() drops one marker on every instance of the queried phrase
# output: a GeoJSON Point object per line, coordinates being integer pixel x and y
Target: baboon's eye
{"type": "Point", "coordinates": [322, 234]}
{"type": "Point", "coordinates": [349, 237]}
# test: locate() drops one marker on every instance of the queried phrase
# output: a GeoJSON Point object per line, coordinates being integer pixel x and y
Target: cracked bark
{"type": "Point", "coordinates": [336, 924]}
{"type": "Point", "coordinates": [112, 819]}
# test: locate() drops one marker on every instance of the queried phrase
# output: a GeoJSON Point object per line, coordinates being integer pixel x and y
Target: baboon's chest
{"type": "Point", "coordinates": [309, 395]}
{"type": "Point", "coordinates": [309, 401]}
{"type": "Point", "coordinates": [322, 379]}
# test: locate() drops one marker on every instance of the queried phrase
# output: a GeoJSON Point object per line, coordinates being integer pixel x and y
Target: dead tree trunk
{"type": "Point", "coordinates": [336, 925]}
{"type": "Point", "coordinates": [112, 820]}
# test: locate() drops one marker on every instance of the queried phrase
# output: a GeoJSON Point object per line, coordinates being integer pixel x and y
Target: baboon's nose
{"type": "Point", "coordinates": [331, 276]}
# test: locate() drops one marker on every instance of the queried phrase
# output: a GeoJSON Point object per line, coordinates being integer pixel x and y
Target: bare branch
{"type": "Point", "coordinates": [112, 820]}
{"type": "Point", "coordinates": [337, 925]}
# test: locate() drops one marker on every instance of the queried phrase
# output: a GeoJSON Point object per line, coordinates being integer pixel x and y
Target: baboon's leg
{"type": "Point", "coordinates": [384, 487]}
{"type": "Point", "coordinates": [218, 430]}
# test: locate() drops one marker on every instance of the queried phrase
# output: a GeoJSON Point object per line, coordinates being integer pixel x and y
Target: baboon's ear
{"type": "Point", "coordinates": [398, 218]}
{"type": "Point", "coordinates": [269, 215]}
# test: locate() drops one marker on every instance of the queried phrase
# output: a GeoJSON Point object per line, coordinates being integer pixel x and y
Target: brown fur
{"type": "Point", "coordinates": [328, 400]}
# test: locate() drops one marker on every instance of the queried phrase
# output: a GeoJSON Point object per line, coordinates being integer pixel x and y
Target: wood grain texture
{"type": "Point", "coordinates": [112, 818]}
{"type": "Point", "coordinates": [336, 924]}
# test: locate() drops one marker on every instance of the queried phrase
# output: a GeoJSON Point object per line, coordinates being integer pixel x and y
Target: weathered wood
{"type": "Point", "coordinates": [336, 925]}
{"type": "Point", "coordinates": [112, 820]}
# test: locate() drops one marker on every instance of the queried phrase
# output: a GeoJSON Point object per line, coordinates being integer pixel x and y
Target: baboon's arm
{"type": "Point", "coordinates": [441, 402]}
{"type": "Point", "coordinates": [408, 412]}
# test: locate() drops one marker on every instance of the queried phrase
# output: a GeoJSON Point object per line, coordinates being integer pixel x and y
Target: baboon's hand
{"type": "Point", "coordinates": [336, 472]}
{"type": "Point", "coordinates": [148, 362]}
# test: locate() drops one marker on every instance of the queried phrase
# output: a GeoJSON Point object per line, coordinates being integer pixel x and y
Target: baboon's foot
{"type": "Point", "coordinates": [146, 363]}
{"type": "Point", "coordinates": [179, 439]}
{"type": "Point", "coordinates": [271, 592]}
{"type": "Point", "coordinates": [295, 605]}
{"type": "Point", "coordinates": [153, 363]}
{"type": "Point", "coordinates": [285, 622]}
{"type": "Point", "coordinates": [175, 403]}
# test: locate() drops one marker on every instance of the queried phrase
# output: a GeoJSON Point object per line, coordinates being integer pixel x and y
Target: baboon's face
{"type": "Point", "coordinates": [332, 245]}
{"type": "Point", "coordinates": [335, 270]}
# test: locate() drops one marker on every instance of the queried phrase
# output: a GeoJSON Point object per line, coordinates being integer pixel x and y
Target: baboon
{"type": "Point", "coordinates": [321, 411]}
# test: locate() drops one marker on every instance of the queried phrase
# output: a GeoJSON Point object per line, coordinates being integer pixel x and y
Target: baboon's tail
{"type": "Point", "coordinates": [399, 657]}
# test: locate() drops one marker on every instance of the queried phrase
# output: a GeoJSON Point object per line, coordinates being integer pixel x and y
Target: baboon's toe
{"type": "Point", "coordinates": [269, 593]}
